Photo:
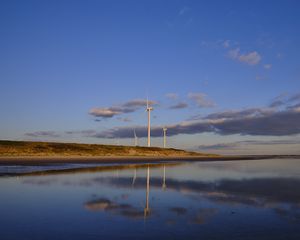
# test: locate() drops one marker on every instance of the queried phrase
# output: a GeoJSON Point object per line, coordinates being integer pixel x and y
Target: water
{"type": "Point", "coordinates": [216, 200]}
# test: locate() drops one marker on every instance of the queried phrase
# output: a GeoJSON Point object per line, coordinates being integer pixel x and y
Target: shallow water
{"type": "Point", "coordinates": [216, 200]}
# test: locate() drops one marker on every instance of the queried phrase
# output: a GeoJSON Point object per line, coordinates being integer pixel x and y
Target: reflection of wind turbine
{"type": "Point", "coordinates": [165, 136]}
{"type": "Point", "coordinates": [149, 109]}
{"type": "Point", "coordinates": [164, 186]}
{"type": "Point", "coordinates": [135, 138]}
{"type": "Point", "coordinates": [146, 209]}
{"type": "Point", "coordinates": [134, 177]}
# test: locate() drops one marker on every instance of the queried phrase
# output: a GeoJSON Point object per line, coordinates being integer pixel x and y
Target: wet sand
{"type": "Point", "coordinates": [41, 160]}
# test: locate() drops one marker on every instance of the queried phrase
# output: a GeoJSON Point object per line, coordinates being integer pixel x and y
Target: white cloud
{"type": "Point", "coordinates": [127, 107]}
{"type": "Point", "coordinates": [226, 44]}
{"type": "Point", "coordinates": [267, 66]}
{"type": "Point", "coordinates": [251, 58]}
{"type": "Point", "coordinates": [201, 100]}
{"type": "Point", "coordinates": [234, 53]}
{"type": "Point", "coordinates": [104, 112]}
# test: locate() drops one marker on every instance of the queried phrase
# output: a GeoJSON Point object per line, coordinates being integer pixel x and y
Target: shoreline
{"type": "Point", "coordinates": [41, 160]}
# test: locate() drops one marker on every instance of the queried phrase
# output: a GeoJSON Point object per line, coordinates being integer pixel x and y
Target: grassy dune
{"type": "Point", "coordinates": [23, 148]}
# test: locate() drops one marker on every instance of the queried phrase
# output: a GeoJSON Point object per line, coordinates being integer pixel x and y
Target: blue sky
{"type": "Point", "coordinates": [70, 69]}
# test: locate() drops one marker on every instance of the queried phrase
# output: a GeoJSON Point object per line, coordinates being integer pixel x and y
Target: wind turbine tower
{"type": "Point", "coordinates": [165, 136]}
{"type": "Point", "coordinates": [147, 209]}
{"type": "Point", "coordinates": [135, 138]}
{"type": "Point", "coordinates": [164, 186]}
{"type": "Point", "coordinates": [149, 109]}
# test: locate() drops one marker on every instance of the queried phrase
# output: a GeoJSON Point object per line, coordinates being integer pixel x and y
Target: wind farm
{"type": "Point", "coordinates": [16, 151]}
{"type": "Point", "coordinates": [23, 148]}
{"type": "Point", "coordinates": [150, 120]}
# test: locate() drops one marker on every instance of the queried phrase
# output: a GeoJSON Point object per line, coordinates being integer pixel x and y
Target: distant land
{"type": "Point", "coordinates": [55, 149]}
{"type": "Point", "coordinates": [39, 153]}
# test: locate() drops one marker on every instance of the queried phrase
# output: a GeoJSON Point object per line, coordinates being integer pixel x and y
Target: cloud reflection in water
{"type": "Point", "coordinates": [104, 204]}
{"type": "Point", "coordinates": [281, 195]}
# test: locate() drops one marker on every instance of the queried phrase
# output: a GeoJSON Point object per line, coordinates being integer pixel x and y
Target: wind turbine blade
{"type": "Point", "coordinates": [147, 103]}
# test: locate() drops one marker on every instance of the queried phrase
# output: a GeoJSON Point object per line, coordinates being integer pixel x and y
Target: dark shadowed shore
{"type": "Point", "coordinates": [36, 160]}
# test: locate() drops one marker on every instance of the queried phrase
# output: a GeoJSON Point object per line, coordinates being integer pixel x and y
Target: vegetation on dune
{"type": "Point", "coordinates": [23, 148]}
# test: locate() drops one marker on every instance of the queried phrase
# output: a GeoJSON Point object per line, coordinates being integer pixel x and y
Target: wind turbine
{"type": "Point", "coordinates": [165, 136]}
{"type": "Point", "coordinates": [135, 138]}
{"type": "Point", "coordinates": [149, 109]}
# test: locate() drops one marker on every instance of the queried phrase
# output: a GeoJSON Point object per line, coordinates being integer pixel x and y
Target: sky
{"type": "Point", "coordinates": [222, 76]}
